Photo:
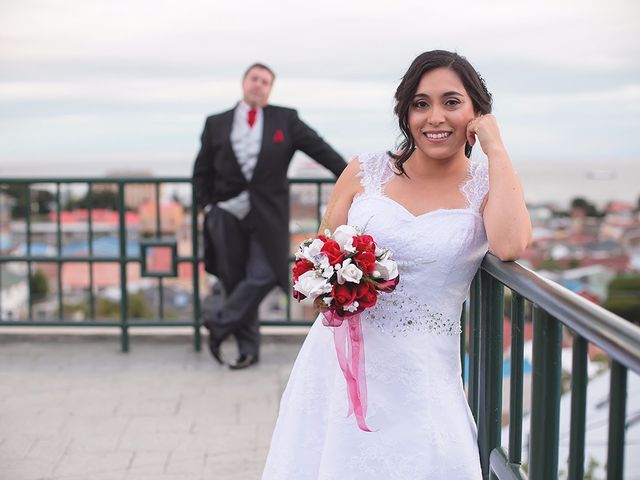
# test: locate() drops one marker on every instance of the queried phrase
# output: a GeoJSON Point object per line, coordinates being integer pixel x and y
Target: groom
{"type": "Point", "coordinates": [240, 180]}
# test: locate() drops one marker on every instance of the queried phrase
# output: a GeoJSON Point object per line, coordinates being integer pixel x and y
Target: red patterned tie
{"type": "Point", "coordinates": [251, 119]}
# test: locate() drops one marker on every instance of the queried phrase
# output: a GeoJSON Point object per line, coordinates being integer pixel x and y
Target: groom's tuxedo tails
{"type": "Point", "coordinates": [240, 180]}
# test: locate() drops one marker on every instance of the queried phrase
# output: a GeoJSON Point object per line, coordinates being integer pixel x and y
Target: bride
{"type": "Point", "coordinates": [439, 213]}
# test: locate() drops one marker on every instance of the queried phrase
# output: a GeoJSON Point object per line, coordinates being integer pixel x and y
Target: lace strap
{"type": "Point", "coordinates": [476, 187]}
{"type": "Point", "coordinates": [374, 172]}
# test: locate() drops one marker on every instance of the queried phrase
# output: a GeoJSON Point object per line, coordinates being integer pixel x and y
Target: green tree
{"type": "Point", "coordinates": [39, 285]}
{"type": "Point", "coordinates": [624, 297]}
{"type": "Point", "coordinates": [583, 204]}
{"type": "Point", "coordinates": [549, 264]}
{"type": "Point", "coordinates": [105, 199]}
{"type": "Point", "coordinates": [36, 201]}
{"type": "Point", "coordinates": [138, 307]}
{"type": "Point", "coordinates": [106, 308]}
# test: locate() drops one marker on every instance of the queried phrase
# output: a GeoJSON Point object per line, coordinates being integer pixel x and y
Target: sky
{"type": "Point", "coordinates": [92, 86]}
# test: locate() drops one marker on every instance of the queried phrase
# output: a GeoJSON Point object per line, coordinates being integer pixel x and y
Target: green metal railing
{"type": "Point", "coordinates": [553, 308]}
{"type": "Point", "coordinates": [123, 259]}
{"type": "Point", "coordinates": [552, 305]}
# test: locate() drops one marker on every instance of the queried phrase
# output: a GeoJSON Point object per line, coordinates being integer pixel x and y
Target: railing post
{"type": "Point", "coordinates": [59, 251]}
{"type": "Point", "coordinates": [195, 274]}
{"type": "Point", "coordinates": [579, 381]}
{"type": "Point", "coordinates": [124, 300]}
{"type": "Point", "coordinates": [617, 410]}
{"type": "Point", "coordinates": [516, 378]}
{"type": "Point", "coordinates": [475, 303]}
{"type": "Point", "coordinates": [92, 300]}
{"type": "Point", "coordinates": [27, 220]}
{"type": "Point", "coordinates": [545, 408]}
{"type": "Point", "coordinates": [158, 236]}
{"type": "Point", "coordinates": [491, 331]}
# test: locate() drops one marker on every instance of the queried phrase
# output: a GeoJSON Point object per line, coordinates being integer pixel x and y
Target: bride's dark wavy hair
{"type": "Point", "coordinates": [471, 79]}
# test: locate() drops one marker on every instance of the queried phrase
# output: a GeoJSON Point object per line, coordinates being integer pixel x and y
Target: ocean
{"type": "Point", "coordinates": [544, 181]}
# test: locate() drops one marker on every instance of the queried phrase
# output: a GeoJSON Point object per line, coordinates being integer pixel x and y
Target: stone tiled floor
{"type": "Point", "coordinates": [76, 408]}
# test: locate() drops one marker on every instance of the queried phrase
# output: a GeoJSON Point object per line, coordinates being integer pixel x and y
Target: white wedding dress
{"type": "Point", "coordinates": [422, 426]}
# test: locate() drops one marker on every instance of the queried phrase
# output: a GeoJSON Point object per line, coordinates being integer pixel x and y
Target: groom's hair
{"type": "Point", "coordinates": [473, 83]}
{"type": "Point", "coordinates": [262, 66]}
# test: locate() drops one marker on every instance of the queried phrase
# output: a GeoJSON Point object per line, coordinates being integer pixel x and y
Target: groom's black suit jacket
{"type": "Point", "coordinates": [217, 176]}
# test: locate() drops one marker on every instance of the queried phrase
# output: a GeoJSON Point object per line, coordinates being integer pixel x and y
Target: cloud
{"type": "Point", "coordinates": [119, 76]}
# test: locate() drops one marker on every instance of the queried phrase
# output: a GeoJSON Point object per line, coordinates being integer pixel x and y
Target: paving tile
{"type": "Point", "coordinates": [94, 465]}
{"type": "Point", "coordinates": [79, 409]}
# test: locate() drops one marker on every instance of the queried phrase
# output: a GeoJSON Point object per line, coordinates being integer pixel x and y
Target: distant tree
{"type": "Point", "coordinates": [176, 198]}
{"type": "Point", "coordinates": [549, 264]}
{"type": "Point", "coordinates": [106, 308]}
{"type": "Point", "coordinates": [583, 204]}
{"type": "Point", "coordinates": [39, 285]}
{"type": "Point", "coordinates": [624, 298]}
{"type": "Point", "coordinates": [104, 199]}
{"type": "Point", "coordinates": [138, 307]}
{"type": "Point", "coordinates": [39, 202]}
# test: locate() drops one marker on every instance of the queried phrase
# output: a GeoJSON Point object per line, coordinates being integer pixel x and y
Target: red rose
{"type": "Point", "coordinates": [301, 266]}
{"type": "Point", "coordinates": [343, 294]}
{"type": "Point", "coordinates": [366, 261]}
{"type": "Point", "coordinates": [298, 296]}
{"type": "Point", "coordinates": [366, 295]}
{"type": "Point", "coordinates": [332, 250]}
{"type": "Point", "coordinates": [364, 243]}
{"type": "Point", "coordinates": [387, 285]}
{"type": "Point", "coordinates": [278, 137]}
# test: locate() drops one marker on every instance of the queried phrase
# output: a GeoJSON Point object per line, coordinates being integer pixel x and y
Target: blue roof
{"type": "Point", "coordinates": [102, 247]}
{"type": "Point", "coordinates": [506, 367]}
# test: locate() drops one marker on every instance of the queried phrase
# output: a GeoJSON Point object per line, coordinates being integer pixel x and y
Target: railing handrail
{"type": "Point", "coordinates": [617, 336]}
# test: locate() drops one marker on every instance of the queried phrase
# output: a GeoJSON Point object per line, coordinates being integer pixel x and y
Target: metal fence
{"type": "Point", "coordinates": [124, 257]}
{"type": "Point", "coordinates": [553, 307]}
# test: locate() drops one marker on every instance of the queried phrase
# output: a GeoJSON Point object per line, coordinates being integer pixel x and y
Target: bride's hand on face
{"type": "Point", "coordinates": [485, 128]}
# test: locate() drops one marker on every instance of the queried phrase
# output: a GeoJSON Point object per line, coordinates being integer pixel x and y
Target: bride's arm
{"type": "Point", "coordinates": [505, 214]}
{"type": "Point", "coordinates": [346, 187]}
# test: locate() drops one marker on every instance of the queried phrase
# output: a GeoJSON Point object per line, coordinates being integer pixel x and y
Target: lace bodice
{"type": "Point", "coordinates": [437, 252]}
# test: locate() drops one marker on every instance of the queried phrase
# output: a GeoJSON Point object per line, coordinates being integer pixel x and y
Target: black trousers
{"type": "Point", "coordinates": [246, 276]}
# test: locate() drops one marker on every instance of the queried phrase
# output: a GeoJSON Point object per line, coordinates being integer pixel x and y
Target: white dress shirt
{"type": "Point", "coordinates": [246, 142]}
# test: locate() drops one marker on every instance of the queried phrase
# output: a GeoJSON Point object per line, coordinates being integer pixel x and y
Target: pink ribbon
{"type": "Point", "coordinates": [351, 360]}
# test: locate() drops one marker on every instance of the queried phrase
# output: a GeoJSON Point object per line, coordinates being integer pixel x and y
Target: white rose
{"type": "Point", "coordinates": [323, 265]}
{"type": "Point", "coordinates": [352, 307]}
{"type": "Point", "coordinates": [348, 247]}
{"type": "Point", "coordinates": [344, 236]}
{"type": "Point", "coordinates": [387, 268]}
{"type": "Point", "coordinates": [327, 272]}
{"type": "Point", "coordinates": [310, 284]}
{"type": "Point", "coordinates": [311, 251]}
{"type": "Point", "coordinates": [348, 272]}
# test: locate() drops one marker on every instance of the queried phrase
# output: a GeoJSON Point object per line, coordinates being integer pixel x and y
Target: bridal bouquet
{"type": "Point", "coordinates": [344, 273]}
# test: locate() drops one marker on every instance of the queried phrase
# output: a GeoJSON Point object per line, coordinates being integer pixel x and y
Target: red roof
{"type": "Point", "coordinates": [98, 215]}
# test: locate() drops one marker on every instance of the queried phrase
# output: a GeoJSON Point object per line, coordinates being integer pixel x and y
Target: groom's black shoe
{"type": "Point", "coordinates": [214, 348]}
{"type": "Point", "coordinates": [244, 361]}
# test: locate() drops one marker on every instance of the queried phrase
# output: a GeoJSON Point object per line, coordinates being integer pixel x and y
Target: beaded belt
{"type": "Point", "coordinates": [398, 314]}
